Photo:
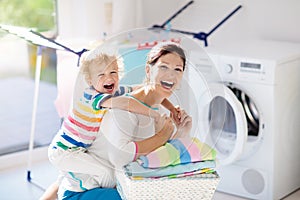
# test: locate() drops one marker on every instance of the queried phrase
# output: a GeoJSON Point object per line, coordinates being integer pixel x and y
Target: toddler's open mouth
{"type": "Point", "coordinates": [109, 87]}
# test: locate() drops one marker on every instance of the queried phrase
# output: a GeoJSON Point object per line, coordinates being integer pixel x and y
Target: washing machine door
{"type": "Point", "coordinates": [226, 123]}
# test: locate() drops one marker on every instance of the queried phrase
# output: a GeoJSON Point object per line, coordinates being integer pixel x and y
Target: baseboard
{"type": "Point", "coordinates": [22, 158]}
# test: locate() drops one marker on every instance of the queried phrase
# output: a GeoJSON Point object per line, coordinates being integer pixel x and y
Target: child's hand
{"type": "Point", "coordinates": [168, 128]}
{"type": "Point", "coordinates": [176, 114]}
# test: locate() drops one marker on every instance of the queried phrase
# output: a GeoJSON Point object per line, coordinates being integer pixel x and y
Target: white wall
{"type": "Point", "coordinates": [126, 15]}
{"type": "Point", "coordinates": [92, 19]}
{"type": "Point", "coordinates": [276, 19]}
{"type": "Point", "coordinates": [265, 19]}
{"type": "Point", "coordinates": [83, 19]}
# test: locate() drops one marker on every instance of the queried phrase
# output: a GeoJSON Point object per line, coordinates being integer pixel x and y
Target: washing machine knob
{"type": "Point", "coordinates": [228, 68]}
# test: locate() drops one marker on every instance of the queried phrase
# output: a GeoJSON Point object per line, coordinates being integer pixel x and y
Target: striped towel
{"type": "Point", "coordinates": [178, 151]}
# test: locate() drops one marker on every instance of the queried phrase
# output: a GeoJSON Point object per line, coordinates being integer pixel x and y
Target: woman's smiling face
{"type": "Point", "coordinates": [166, 73]}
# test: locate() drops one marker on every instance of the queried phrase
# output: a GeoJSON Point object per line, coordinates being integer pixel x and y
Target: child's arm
{"type": "Point", "coordinates": [168, 105]}
{"type": "Point", "coordinates": [131, 105]}
{"type": "Point", "coordinates": [175, 111]}
{"type": "Point", "coordinates": [136, 87]}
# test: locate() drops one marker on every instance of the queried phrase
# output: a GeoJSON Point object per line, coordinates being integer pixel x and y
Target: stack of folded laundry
{"type": "Point", "coordinates": [183, 168]}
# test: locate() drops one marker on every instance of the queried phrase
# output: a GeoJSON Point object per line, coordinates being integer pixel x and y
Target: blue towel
{"type": "Point", "coordinates": [135, 169]}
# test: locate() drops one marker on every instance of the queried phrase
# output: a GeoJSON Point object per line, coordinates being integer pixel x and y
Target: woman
{"type": "Point", "coordinates": [124, 136]}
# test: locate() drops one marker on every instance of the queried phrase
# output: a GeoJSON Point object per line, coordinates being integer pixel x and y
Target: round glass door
{"type": "Point", "coordinates": [251, 111]}
{"type": "Point", "coordinates": [226, 124]}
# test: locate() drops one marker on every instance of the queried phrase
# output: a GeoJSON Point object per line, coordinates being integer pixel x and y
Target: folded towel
{"type": "Point", "coordinates": [204, 173]}
{"type": "Point", "coordinates": [134, 169]}
{"type": "Point", "coordinates": [178, 151]}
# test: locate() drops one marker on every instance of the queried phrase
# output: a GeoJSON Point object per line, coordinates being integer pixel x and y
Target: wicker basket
{"type": "Point", "coordinates": [190, 187]}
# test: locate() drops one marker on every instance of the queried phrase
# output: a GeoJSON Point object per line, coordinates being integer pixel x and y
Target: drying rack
{"type": "Point", "coordinates": [41, 42]}
{"type": "Point", "coordinates": [200, 35]}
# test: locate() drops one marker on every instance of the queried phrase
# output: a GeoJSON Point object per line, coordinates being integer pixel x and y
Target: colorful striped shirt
{"type": "Point", "coordinates": [82, 125]}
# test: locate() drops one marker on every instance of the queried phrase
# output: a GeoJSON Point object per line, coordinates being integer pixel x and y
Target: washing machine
{"type": "Point", "coordinates": [244, 101]}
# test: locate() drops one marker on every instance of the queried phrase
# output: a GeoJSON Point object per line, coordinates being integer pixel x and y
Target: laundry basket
{"type": "Point", "coordinates": [201, 186]}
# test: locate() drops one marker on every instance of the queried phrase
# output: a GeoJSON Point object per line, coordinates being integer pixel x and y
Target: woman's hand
{"type": "Point", "coordinates": [166, 131]}
{"type": "Point", "coordinates": [185, 125]}
{"type": "Point", "coordinates": [160, 138]}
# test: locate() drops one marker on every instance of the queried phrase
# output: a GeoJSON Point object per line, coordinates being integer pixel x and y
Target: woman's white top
{"type": "Point", "coordinates": [119, 129]}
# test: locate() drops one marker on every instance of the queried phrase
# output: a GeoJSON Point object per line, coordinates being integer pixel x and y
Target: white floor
{"type": "Point", "coordinates": [14, 184]}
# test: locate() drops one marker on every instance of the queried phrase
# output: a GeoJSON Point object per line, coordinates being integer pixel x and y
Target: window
{"type": "Point", "coordinates": [17, 69]}
{"type": "Point", "coordinates": [27, 13]}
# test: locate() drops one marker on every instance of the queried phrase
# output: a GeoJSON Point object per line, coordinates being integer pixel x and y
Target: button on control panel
{"type": "Point", "coordinates": [228, 68]}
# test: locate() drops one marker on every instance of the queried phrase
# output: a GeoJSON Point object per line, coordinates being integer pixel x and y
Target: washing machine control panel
{"type": "Point", "coordinates": [234, 68]}
{"type": "Point", "coordinates": [244, 69]}
{"type": "Point", "coordinates": [250, 66]}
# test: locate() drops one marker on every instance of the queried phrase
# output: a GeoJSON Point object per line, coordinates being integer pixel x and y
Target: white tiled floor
{"type": "Point", "coordinates": [14, 185]}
